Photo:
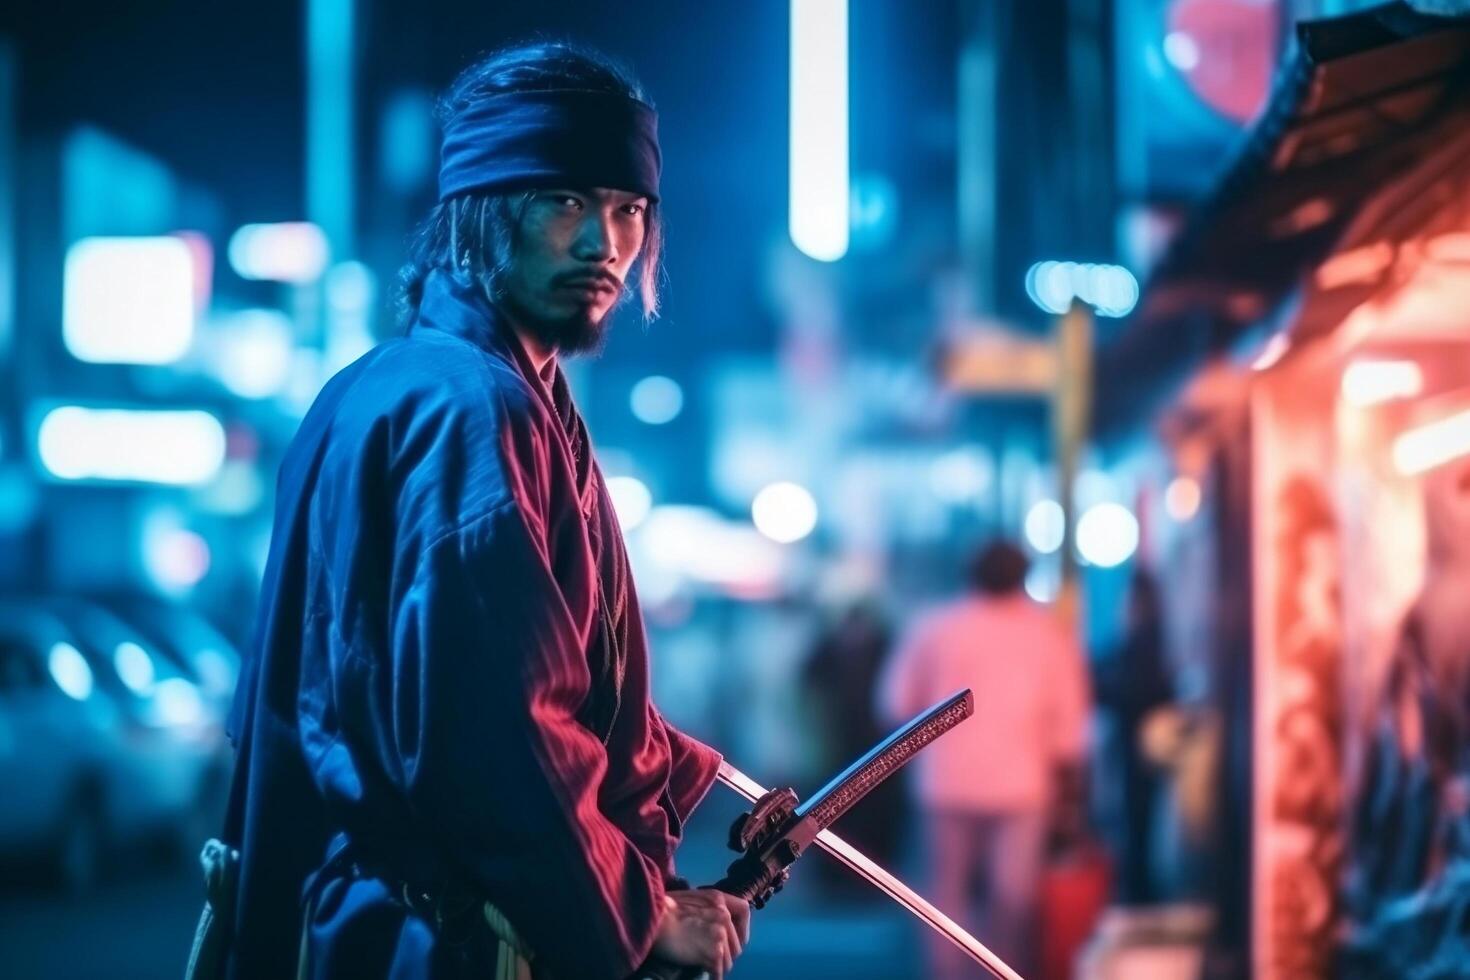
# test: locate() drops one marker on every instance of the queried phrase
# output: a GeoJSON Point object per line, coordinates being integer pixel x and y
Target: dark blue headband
{"type": "Point", "coordinates": [564, 138]}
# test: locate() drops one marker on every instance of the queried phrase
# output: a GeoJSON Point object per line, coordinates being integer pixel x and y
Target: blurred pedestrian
{"type": "Point", "coordinates": [449, 765]}
{"type": "Point", "coordinates": [1135, 683]}
{"type": "Point", "coordinates": [840, 678]}
{"type": "Point", "coordinates": [987, 789]}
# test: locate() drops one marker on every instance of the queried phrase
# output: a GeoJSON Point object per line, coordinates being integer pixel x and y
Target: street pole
{"type": "Point", "coordinates": [1071, 416]}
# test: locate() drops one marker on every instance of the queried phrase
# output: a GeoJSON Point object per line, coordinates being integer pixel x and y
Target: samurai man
{"type": "Point", "coordinates": [448, 764]}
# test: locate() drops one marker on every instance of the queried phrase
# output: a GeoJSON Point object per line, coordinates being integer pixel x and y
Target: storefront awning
{"type": "Point", "coordinates": [1360, 100]}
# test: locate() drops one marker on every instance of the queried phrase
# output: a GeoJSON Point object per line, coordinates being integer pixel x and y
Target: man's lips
{"type": "Point", "coordinates": [590, 285]}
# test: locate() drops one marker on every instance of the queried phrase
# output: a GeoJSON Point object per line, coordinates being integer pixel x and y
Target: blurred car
{"type": "Point", "coordinates": [187, 638]}
{"type": "Point", "coordinates": [160, 764]}
{"type": "Point", "coordinates": [57, 739]}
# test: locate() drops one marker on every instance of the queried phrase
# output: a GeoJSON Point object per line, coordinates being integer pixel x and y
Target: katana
{"type": "Point", "coordinates": [887, 883]}
{"type": "Point", "coordinates": [778, 830]}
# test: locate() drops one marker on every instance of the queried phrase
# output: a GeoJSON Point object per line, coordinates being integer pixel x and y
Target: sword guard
{"type": "Point", "coordinates": [755, 876]}
{"type": "Point", "coordinates": [765, 819]}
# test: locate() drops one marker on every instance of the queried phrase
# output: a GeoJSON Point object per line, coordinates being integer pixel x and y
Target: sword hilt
{"type": "Point", "coordinates": [765, 851]}
{"type": "Point", "coordinates": [776, 831]}
{"type": "Point", "coordinates": [759, 872]}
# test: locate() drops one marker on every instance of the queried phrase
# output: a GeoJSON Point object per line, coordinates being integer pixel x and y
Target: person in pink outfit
{"type": "Point", "coordinates": [988, 788]}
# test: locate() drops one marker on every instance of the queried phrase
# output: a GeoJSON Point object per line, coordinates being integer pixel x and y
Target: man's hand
{"type": "Point", "coordinates": [703, 927]}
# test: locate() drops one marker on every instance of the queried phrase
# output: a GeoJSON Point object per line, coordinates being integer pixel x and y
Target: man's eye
{"type": "Point", "coordinates": [568, 201]}
{"type": "Point", "coordinates": [634, 208]}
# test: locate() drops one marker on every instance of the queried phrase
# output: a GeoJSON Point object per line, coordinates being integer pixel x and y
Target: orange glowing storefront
{"type": "Point", "coordinates": [1307, 344]}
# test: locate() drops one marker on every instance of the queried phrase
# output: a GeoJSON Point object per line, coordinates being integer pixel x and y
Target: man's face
{"type": "Point", "coordinates": [569, 262]}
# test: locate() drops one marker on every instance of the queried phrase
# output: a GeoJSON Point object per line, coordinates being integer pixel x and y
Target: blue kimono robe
{"type": "Point", "coordinates": [450, 677]}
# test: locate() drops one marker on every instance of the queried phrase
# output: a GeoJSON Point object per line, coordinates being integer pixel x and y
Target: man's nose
{"type": "Point", "coordinates": [594, 242]}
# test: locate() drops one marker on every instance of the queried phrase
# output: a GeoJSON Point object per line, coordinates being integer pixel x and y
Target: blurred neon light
{"type": "Point", "coordinates": [215, 671]}
{"type": "Point", "coordinates": [177, 702]}
{"type": "Point", "coordinates": [1043, 584]}
{"type": "Point", "coordinates": [1181, 50]}
{"type": "Point", "coordinates": [960, 475]}
{"type": "Point", "coordinates": [1110, 289]}
{"type": "Point", "coordinates": [1093, 487]}
{"type": "Point", "coordinates": [1044, 526]}
{"type": "Point", "coordinates": [676, 534]}
{"type": "Point", "coordinates": [784, 512]}
{"type": "Point", "coordinates": [237, 490]}
{"type": "Point", "coordinates": [331, 117]}
{"type": "Point", "coordinates": [128, 300]}
{"type": "Point", "coordinates": [172, 447]}
{"type": "Point", "coordinates": [253, 352]}
{"type": "Point", "coordinates": [820, 183]}
{"type": "Point", "coordinates": [657, 400]}
{"type": "Point", "coordinates": [176, 558]}
{"type": "Point", "coordinates": [1107, 535]}
{"type": "Point", "coordinates": [308, 374]}
{"type": "Point", "coordinates": [20, 498]}
{"type": "Point", "coordinates": [1371, 382]}
{"type": "Point", "coordinates": [697, 544]}
{"type": "Point", "coordinates": [631, 500]}
{"type": "Point", "coordinates": [69, 669]}
{"type": "Point", "coordinates": [1182, 498]}
{"type": "Point", "coordinates": [1431, 445]}
{"type": "Point", "coordinates": [201, 256]}
{"type": "Point", "coordinates": [874, 210]}
{"type": "Point", "coordinates": [134, 666]}
{"type": "Point", "coordinates": [351, 287]}
{"type": "Point", "coordinates": [290, 251]}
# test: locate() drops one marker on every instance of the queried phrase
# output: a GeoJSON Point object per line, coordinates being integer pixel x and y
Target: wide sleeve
{"type": "Point", "coordinates": [489, 672]}
{"type": "Point", "coordinates": [654, 790]}
{"type": "Point", "coordinates": [692, 769]}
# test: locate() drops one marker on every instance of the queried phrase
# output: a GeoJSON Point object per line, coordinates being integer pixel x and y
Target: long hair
{"type": "Point", "coordinates": [472, 236]}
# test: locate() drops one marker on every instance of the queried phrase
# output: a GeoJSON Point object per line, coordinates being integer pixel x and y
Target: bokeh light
{"type": "Point", "coordinates": [1110, 289]}
{"type": "Point", "coordinates": [784, 512]}
{"type": "Point", "coordinates": [70, 671]}
{"type": "Point", "coordinates": [631, 500]}
{"type": "Point", "coordinates": [164, 446]}
{"type": "Point", "coordinates": [1045, 526]}
{"type": "Point", "coordinates": [128, 300]}
{"type": "Point", "coordinates": [657, 400]}
{"type": "Point", "coordinates": [1182, 498]}
{"type": "Point", "coordinates": [820, 182]}
{"type": "Point", "coordinates": [134, 666]}
{"type": "Point", "coordinates": [289, 251]}
{"type": "Point", "coordinates": [1107, 535]}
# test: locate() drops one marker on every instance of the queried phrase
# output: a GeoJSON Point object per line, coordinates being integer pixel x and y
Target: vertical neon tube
{"type": "Point", "coordinates": [819, 166]}
{"type": "Point", "coordinates": [330, 165]}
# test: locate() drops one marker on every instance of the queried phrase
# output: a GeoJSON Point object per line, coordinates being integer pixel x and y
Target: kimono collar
{"type": "Point", "coordinates": [462, 309]}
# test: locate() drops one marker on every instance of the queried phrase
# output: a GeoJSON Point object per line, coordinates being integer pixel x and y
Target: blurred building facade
{"type": "Point", "coordinates": [1301, 350]}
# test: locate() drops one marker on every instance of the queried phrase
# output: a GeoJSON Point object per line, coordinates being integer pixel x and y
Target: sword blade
{"type": "Point", "coordinates": [884, 881]}
{"type": "Point", "coordinates": [884, 759]}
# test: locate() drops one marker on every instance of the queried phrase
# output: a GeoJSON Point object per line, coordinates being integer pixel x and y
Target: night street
{"type": "Point", "coordinates": [138, 923]}
{"type": "Point", "coordinates": [141, 928]}
{"type": "Point", "coordinates": [471, 451]}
